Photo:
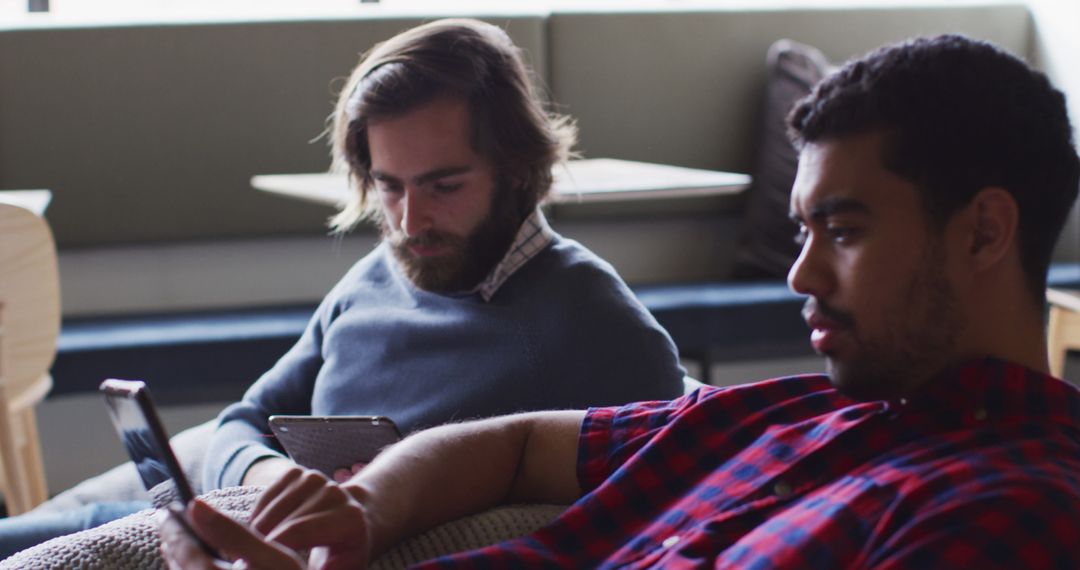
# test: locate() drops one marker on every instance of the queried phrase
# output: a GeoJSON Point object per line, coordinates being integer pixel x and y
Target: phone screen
{"type": "Point", "coordinates": [146, 443]}
{"type": "Point", "coordinates": [136, 421]}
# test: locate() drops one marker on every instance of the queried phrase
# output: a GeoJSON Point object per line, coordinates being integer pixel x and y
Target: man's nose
{"type": "Point", "coordinates": [416, 212]}
{"type": "Point", "coordinates": [810, 274]}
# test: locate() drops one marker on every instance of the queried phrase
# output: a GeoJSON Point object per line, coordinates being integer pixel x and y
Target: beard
{"type": "Point", "coordinates": [918, 339]}
{"type": "Point", "coordinates": [467, 259]}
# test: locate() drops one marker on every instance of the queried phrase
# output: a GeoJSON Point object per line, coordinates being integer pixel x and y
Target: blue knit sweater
{"type": "Point", "coordinates": [564, 331]}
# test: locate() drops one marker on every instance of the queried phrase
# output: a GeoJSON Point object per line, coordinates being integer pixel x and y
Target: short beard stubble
{"type": "Point", "coordinates": [920, 342]}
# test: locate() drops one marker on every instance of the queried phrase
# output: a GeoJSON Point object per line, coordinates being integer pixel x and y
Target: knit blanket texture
{"type": "Point", "coordinates": [132, 542]}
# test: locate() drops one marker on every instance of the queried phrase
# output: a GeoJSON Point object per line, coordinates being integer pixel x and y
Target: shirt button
{"type": "Point", "coordinates": [670, 541]}
{"type": "Point", "coordinates": [781, 489]}
{"type": "Point", "coordinates": [980, 414]}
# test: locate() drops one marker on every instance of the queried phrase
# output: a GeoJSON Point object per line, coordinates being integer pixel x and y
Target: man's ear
{"type": "Point", "coordinates": [995, 218]}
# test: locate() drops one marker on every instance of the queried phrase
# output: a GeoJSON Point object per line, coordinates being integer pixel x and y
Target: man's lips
{"type": "Point", "coordinates": [428, 244]}
{"type": "Point", "coordinates": [426, 250]}
{"type": "Point", "coordinates": [825, 332]}
{"type": "Point", "coordinates": [823, 339]}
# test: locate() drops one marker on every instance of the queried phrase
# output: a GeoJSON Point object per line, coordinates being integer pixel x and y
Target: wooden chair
{"type": "Point", "coordinates": [1063, 330]}
{"type": "Point", "coordinates": [29, 328]}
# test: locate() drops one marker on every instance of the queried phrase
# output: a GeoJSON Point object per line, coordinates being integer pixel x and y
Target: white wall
{"type": "Point", "coordinates": [1058, 47]}
{"type": "Point", "coordinates": [1057, 51]}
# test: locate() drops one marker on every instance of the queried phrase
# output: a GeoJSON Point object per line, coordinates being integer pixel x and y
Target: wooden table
{"type": "Point", "coordinates": [1063, 328]}
{"type": "Point", "coordinates": [596, 180]}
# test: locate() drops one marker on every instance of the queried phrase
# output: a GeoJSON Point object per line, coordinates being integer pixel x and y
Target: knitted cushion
{"type": "Point", "coordinates": [471, 532]}
{"type": "Point", "coordinates": [128, 543]}
{"type": "Point", "coordinates": [132, 542]}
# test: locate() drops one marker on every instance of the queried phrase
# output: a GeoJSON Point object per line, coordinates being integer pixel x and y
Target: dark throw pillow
{"type": "Point", "coordinates": [766, 246]}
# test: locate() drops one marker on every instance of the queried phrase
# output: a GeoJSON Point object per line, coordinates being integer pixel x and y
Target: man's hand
{"type": "Point", "coordinates": [233, 539]}
{"type": "Point", "coordinates": [305, 510]}
{"type": "Point", "coordinates": [428, 479]}
{"type": "Point", "coordinates": [266, 471]}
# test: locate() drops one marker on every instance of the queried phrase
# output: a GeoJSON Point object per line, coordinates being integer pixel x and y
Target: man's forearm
{"type": "Point", "coordinates": [452, 471]}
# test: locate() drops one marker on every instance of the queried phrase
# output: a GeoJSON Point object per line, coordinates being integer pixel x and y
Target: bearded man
{"type": "Point", "coordinates": [471, 306]}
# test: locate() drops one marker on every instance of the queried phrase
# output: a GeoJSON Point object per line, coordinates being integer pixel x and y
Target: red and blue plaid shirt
{"type": "Point", "coordinates": [979, 469]}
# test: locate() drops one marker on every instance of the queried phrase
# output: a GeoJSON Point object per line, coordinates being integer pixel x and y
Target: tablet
{"type": "Point", "coordinates": [329, 443]}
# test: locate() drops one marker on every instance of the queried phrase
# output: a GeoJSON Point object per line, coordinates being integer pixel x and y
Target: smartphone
{"type": "Point", "coordinates": [140, 429]}
{"type": "Point", "coordinates": [329, 443]}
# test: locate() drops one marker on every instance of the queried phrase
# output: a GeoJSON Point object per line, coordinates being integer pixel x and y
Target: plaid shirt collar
{"type": "Point", "coordinates": [532, 237]}
{"type": "Point", "coordinates": [990, 389]}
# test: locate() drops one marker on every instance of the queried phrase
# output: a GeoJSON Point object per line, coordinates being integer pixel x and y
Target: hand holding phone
{"type": "Point", "coordinates": [181, 549]}
{"type": "Point", "coordinates": [140, 429]}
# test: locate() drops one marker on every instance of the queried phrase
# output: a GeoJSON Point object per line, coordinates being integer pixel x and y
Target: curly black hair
{"type": "Point", "coordinates": [958, 115]}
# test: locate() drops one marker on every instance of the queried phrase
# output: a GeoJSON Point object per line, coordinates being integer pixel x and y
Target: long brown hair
{"type": "Point", "coordinates": [461, 58]}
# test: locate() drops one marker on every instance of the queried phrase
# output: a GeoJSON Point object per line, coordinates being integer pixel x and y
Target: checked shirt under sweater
{"type": "Point", "coordinates": [979, 469]}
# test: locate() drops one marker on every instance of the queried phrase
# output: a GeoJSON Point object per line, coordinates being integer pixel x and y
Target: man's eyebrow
{"type": "Point", "coordinates": [831, 207]}
{"type": "Point", "coordinates": [380, 175]}
{"type": "Point", "coordinates": [438, 173]}
{"type": "Point", "coordinates": [424, 178]}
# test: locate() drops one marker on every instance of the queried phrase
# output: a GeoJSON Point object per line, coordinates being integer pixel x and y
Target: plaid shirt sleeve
{"type": "Point", "coordinates": [610, 436]}
{"type": "Point", "coordinates": [1028, 524]}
